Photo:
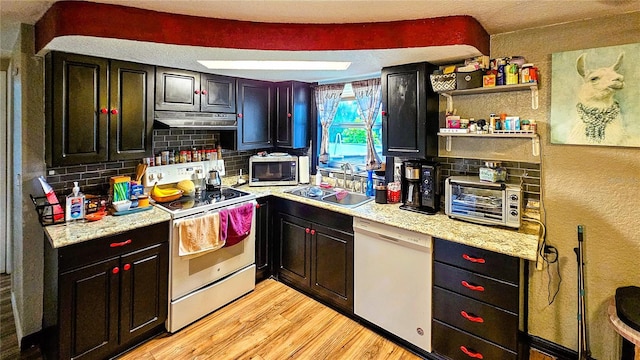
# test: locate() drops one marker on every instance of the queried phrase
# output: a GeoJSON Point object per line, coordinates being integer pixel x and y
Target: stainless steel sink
{"type": "Point", "coordinates": [329, 196]}
{"type": "Point", "coordinates": [350, 200]}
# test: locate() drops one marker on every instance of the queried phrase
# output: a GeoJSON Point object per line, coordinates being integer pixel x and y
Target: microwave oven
{"type": "Point", "coordinates": [468, 198]}
{"type": "Point", "coordinates": [273, 169]}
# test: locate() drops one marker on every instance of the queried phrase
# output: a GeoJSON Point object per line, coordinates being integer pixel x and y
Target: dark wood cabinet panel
{"type": "Point", "coordinates": [218, 93]}
{"type": "Point", "coordinates": [88, 300]}
{"type": "Point", "coordinates": [97, 306]}
{"type": "Point", "coordinates": [293, 106]}
{"type": "Point", "coordinates": [410, 112]}
{"type": "Point", "coordinates": [97, 109]}
{"type": "Point", "coordinates": [255, 113]}
{"type": "Point", "coordinates": [315, 252]}
{"type": "Point", "coordinates": [144, 291]}
{"type": "Point", "coordinates": [77, 108]}
{"type": "Point", "coordinates": [177, 90]}
{"type": "Point", "coordinates": [459, 345]}
{"type": "Point", "coordinates": [264, 255]}
{"type": "Point", "coordinates": [132, 91]}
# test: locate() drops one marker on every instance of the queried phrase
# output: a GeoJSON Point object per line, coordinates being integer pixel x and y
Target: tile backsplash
{"type": "Point", "coordinates": [94, 178]}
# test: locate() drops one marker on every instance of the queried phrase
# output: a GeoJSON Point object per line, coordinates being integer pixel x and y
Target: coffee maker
{"type": "Point", "coordinates": [420, 188]}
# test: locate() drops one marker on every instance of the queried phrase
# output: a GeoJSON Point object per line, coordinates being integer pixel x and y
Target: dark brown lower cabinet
{"type": "Point", "coordinates": [478, 303]}
{"type": "Point", "coordinates": [264, 254]}
{"type": "Point", "coordinates": [315, 252]}
{"type": "Point", "coordinates": [106, 295]}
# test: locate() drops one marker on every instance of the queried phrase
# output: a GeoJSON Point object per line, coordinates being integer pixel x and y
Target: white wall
{"type": "Point", "coordinates": [28, 163]}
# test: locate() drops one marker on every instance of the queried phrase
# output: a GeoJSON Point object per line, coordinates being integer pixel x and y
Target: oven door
{"type": "Point", "coordinates": [190, 273]}
{"type": "Point", "coordinates": [273, 172]}
{"type": "Point", "coordinates": [483, 204]}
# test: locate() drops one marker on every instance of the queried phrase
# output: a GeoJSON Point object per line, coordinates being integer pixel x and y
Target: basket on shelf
{"type": "Point", "coordinates": [443, 82]}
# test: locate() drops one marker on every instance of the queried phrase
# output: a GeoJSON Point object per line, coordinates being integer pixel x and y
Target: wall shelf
{"type": "Point", "coordinates": [533, 87]}
{"type": "Point", "coordinates": [535, 139]}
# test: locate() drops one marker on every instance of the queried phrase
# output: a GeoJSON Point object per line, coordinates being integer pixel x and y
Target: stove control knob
{"type": "Point", "coordinates": [151, 176]}
{"type": "Point", "coordinates": [160, 176]}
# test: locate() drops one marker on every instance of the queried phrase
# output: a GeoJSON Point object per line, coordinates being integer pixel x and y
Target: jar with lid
{"type": "Point", "coordinates": [381, 193]}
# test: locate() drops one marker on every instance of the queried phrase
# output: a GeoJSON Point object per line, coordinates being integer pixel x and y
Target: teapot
{"type": "Point", "coordinates": [213, 181]}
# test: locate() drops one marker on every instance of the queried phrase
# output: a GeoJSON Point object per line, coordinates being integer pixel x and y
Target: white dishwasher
{"type": "Point", "coordinates": [392, 280]}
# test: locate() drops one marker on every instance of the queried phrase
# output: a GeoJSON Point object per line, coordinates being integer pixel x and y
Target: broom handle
{"type": "Point", "coordinates": [583, 339]}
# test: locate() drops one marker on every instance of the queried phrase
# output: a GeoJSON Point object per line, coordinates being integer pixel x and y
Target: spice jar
{"type": "Point", "coordinates": [381, 193]}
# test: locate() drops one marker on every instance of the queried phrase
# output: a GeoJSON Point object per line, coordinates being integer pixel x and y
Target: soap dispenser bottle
{"type": "Point", "coordinates": [75, 204]}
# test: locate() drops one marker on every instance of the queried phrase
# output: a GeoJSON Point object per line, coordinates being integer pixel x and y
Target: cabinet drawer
{"type": "Point", "coordinates": [502, 294]}
{"type": "Point", "coordinates": [449, 341]}
{"type": "Point", "coordinates": [482, 261]}
{"type": "Point", "coordinates": [476, 317]}
{"type": "Point", "coordinates": [73, 256]}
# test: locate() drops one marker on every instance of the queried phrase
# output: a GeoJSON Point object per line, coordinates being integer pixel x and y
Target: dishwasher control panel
{"type": "Point", "coordinates": [393, 233]}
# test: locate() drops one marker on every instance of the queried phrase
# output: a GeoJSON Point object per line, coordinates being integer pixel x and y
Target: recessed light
{"type": "Point", "coordinates": [274, 65]}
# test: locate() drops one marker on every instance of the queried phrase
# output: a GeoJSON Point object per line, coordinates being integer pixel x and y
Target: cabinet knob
{"type": "Point", "coordinates": [307, 230]}
{"type": "Point", "coordinates": [472, 259]}
{"type": "Point", "coordinates": [114, 111]}
{"type": "Point", "coordinates": [289, 115]}
{"type": "Point", "coordinates": [126, 267]}
{"type": "Point", "coordinates": [476, 319]}
{"type": "Point", "coordinates": [472, 287]}
{"type": "Point", "coordinates": [257, 206]}
{"type": "Point", "coordinates": [472, 354]}
{"type": "Point", "coordinates": [313, 232]}
{"type": "Point", "coordinates": [197, 92]}
{"type": "Point", "coordinates": [204, 92]}
{"type": "Point", "coordinates": [384, 113]}
{"type": "Point", "coordinates": [115, 270]}
{"type": "Point", "coordinates": [240, 115]}
{"type": "Point", "coordinates": [104, 110]}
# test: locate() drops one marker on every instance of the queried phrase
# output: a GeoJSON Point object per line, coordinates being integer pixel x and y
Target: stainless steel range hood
{"type": "Point", "coordinates": [195, 120]}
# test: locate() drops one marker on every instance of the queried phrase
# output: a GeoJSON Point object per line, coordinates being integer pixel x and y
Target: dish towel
{"type": "Point", "coordinates": [199, 235]}
{"type": "Point", "coordinates": [238, 222]}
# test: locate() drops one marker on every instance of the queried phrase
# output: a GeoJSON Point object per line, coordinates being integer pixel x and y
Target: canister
{"type": "Point", "coordinates": [381, 193]}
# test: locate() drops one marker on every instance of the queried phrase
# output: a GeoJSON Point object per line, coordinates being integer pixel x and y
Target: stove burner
{"type": "Point", "coordinates": [223, 194]}
{"type": "Point", "coordinates": [205, 200]}
{"type": "Point", "coordinates": [183, 203]}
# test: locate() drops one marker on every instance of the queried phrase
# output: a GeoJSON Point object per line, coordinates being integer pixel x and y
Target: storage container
{"type": "Point", "coordinates": [469, 80]}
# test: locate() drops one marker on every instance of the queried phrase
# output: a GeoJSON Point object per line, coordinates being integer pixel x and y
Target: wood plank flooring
{"type": "Point", "coordinates": [9, 348]}
{"type": "Point", "coordinates": [273, 322]}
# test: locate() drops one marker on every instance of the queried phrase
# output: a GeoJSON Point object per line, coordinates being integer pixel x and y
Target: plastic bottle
{"type": "Point", "coordinates": [75, 204]}
{"type": "Point", "coordinates": [58, 213]}
{"type": "Point", "coordinates": [370, 190]}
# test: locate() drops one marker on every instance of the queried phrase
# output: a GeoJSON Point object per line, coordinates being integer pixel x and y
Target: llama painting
{"type": "Point", "coordinates": [594, 97]}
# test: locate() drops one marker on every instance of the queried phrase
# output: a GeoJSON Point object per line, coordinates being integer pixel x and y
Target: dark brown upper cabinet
{"type": "Point", "coordinates": [255, 114]}
{"type": "Point", "coordinates": [409, 112]}
{"type": "Point", "coordinates": [97, 109]}
{"type": "Point", "coordinates": [293, 102]}
{"type": "Point", "coordinates": [182, 90]}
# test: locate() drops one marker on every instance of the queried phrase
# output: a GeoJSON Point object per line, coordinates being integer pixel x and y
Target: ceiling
{"type": "Point", "coordinates": [496, 16]}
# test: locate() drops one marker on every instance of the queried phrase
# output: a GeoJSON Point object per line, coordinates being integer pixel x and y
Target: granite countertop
{"type": "Point", "coordinates": [522, 243]}
{"type": "Point", "coordinates": [76, 232]}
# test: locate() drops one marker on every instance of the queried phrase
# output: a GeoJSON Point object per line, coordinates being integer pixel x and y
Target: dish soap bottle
{"type": "Point", "coordinates": [75, 204]}
{"type": "Point", "coordinates": [370, 191]}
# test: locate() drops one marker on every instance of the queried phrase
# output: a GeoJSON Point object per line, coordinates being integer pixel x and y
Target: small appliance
{"type": "Point", "coordinates": [469, 198]}
{"type": "Point", "coordinates": [273, 169]}
{"type": "Point", "coordinates": [419, 184]}
{"type": "Point", "coordinates": [213, 180]}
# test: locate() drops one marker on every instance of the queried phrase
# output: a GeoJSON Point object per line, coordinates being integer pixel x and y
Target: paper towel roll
{"type": "Point", "coordinates": [303, 169]}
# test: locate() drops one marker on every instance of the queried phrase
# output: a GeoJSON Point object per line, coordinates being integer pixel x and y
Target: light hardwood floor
{"type": "Point", "coordinates": [273, 322]}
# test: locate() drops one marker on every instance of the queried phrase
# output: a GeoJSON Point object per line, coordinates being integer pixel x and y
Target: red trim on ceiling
{"type": "Point", "coordinates": [121, 22]}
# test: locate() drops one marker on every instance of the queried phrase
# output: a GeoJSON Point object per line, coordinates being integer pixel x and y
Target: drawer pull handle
{"type": "Point", "coordinates": [127, 242]}
{"type": "Point", "coordinates": [472, 287]}
{"type": "Point", "coordinates": [472, 318]}
{"type": "Point", "coordinates": [472, 259]}
{"type": "Point", "coordinates": [475, 355]}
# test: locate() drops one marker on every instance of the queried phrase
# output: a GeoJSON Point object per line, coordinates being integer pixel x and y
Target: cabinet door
{"type": "Point", "coordinates": [263, 250]}
{"type": "Point", "coordinates": [218, 93]}
{"type": "Point", "coordinates": [254, 114]}
{"type": "Point", "coordinates": [78, 109]}
{"type": "Point", "coordinates": [410, 108]}
{"type": "Point", "coordinates": [143, 304]}
{"type": "Point", "coordinates": [177, 90]}
{"type": "Point", "coordinates": [293, 101]}
{"type": "Point", "coordinates": [332, 266]}
{"type": "Point", "coordinates": [88, 311]}
{"type": "Point", "coordinates": [295, 250]}
{"type": "Point", "coordinates": [131, 111]}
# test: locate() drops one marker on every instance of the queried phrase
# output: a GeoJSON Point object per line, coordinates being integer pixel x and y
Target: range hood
{"type": "Point", "coordinates": [195, 120]}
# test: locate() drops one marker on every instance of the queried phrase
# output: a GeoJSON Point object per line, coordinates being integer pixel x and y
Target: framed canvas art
{"type": "Point", "coordinates": [595, 96]}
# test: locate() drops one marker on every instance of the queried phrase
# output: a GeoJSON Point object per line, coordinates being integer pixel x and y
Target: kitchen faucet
{"type": "Point", "coordinates": [346, 166]}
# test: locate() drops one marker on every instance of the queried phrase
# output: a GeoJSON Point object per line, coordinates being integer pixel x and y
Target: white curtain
{"type": "Point", "coordinates": [369, 97]}
{"type": "Point", "coordinates": [327, 101]}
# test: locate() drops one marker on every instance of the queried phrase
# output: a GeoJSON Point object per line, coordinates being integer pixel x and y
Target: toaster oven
{"type": "Point", "coordinates": [468, 198]}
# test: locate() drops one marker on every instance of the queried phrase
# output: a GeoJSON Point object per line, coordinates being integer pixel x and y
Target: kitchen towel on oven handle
{"type": "Point", "coordinates": [238, 220]}
{"type": "Point", "coordinates": [199, 235]}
